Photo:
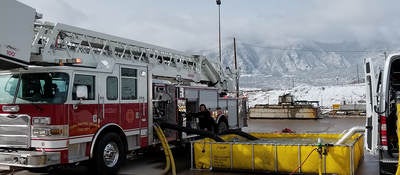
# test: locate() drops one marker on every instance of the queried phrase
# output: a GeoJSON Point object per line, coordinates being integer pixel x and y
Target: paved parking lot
{"type": "Point", "coordinates": [152, 162]}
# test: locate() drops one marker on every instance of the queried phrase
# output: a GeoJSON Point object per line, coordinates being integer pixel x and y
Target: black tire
{"type": "Point", "coordinates": [109, 154]}
{"type": "Point", "coordinates": [222, 127]}
{"type": "Point", "coordinates": [38, 170]}
{"type": "Point", "coordinates": [387, 168]}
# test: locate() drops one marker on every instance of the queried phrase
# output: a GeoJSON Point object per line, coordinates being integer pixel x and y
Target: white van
{"type": "Point", "coordinates": [383, 92]}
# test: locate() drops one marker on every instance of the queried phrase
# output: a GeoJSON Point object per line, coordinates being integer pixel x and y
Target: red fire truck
{"type": "Point", "coordinates": [69, 94]}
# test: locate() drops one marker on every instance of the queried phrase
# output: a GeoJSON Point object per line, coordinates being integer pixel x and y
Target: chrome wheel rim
{"type": "Point", "coordinates": [111, 154]}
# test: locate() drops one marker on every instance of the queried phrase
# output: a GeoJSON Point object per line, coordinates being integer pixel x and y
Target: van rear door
{"type": "Point", "coordinates": [372, 125]}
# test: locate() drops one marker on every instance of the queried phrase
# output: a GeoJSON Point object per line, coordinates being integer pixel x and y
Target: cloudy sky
{"type": "Point", "coordinates": [193, 24]}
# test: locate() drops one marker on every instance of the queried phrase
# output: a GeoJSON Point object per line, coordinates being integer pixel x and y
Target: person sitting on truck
{"type": "Point", "coordinates": [206, 122]}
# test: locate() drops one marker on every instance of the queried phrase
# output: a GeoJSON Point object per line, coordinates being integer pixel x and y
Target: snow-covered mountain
{"type": "Point", "coordinates": [297, 63]}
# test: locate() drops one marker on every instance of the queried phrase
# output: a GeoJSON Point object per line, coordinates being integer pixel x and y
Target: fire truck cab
{"type": "Point", "coordinates": [69, 94]}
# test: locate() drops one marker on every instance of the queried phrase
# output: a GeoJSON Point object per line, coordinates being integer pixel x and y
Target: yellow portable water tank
{"type": "Point", "coordinates": [283, 153]}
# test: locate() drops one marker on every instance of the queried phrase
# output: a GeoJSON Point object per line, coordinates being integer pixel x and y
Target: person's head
{"type": "Point", "coordinates": [203, 107]}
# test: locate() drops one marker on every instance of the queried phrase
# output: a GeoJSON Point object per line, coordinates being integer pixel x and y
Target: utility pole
{"type": "Point", "coordinates": [237, 78]}
{"type": "Point", "coordinates": [236, 67]}
{"type": "Point", "coordinates": [219, 32]}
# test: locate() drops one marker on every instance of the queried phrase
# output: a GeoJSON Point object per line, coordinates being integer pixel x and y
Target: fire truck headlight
{"type": "Point", "coordinates": [41, 120]}
{"type": "Point", "coordinates": [59, 130]}
{"type": "Point", "coordinates": [40, 132]}
{"type": "Point", "coordinates": [14, 108]}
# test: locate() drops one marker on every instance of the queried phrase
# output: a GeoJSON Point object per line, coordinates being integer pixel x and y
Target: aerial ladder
{"type": "Point", "coordinates": [55, 44]}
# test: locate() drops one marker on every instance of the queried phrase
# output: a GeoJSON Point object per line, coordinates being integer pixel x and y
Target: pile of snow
{"type": "Point", "coordinates": [326, 95]}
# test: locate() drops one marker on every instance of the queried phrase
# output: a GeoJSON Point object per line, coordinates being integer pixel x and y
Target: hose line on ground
{"type": "Point", "coordinates": [169, 158]}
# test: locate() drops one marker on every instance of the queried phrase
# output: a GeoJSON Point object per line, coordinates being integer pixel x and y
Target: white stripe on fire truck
{"type": "Point", "coordinates": [88, 138]}
{"type": "Point", "coordinates": [53, 149]}
{"type": "Point", "coordinates": [49, 143]}
{"type": "Point", "coordinates": [131, 132]}
{"type": "Point", "coordinates": [81, 136]}
{"type": "Point", "coordinates": [80, 140]}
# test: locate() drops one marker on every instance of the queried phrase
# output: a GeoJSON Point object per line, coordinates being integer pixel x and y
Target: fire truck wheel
{"type": "Point", "coordinates": [108, 154]}
{"type": "Point", "coordinates": [38, 170]}
{"type": "Point", "coordinates": [222, 127]}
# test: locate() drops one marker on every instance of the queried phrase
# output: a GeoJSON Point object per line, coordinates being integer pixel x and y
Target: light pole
{"type": "Point", "coordinates": [219, 31]}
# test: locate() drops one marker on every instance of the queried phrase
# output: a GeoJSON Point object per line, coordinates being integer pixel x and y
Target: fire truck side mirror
{"type": "Point", "coordinates": [81, 92]}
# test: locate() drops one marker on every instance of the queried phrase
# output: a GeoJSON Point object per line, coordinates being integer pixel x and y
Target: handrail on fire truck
{"type": "Point", "coordinates": [65, 44]}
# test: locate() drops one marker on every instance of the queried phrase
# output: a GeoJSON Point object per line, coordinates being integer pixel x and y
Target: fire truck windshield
{"type": "Point", "coordinates": [49, 87]}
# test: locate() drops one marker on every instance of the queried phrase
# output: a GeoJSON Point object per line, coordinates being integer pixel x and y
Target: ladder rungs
{"type": "Point", "coordinates": [76, 40]}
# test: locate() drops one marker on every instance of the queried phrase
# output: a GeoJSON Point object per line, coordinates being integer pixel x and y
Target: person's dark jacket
{"type": "Point", "coordinates": [205, 120]}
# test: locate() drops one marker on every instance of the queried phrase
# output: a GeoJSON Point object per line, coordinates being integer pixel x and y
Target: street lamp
{"type": "Point", "coordinates": [219, 30]}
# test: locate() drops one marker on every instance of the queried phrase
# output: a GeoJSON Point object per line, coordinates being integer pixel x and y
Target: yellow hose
{"type": "Point", "coordinates": [170, 162]}
{"type": "Point", "coordinates": [398, 135]}
{"type": "Point", "coordinates": [171, 156]}
{"type": "Point", "coordinates": [167, 159]}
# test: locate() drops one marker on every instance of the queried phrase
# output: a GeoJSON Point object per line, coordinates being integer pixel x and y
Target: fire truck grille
{"type": "Point", "coordinates": [14, 131]}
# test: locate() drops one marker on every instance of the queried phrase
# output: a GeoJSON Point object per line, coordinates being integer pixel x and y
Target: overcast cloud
{"type": "Point", "coordinates": [193, 24]}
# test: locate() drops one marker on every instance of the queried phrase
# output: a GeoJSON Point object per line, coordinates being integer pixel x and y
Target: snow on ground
{"type": "Point", "coordinates": [326, 95]}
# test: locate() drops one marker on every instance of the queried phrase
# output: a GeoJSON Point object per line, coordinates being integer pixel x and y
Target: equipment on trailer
{"type": "Point", "coordinates": [287, 108]}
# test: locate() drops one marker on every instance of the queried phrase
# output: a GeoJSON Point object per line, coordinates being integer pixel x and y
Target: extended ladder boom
{"type": "Point", "coordinates": [55, 44]}
{"type": "Point", "coordinates": [61, 43]}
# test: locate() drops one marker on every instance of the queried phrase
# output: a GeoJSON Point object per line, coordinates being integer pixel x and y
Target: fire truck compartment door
{"type": "Point", "coordinates": [16, 33]}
